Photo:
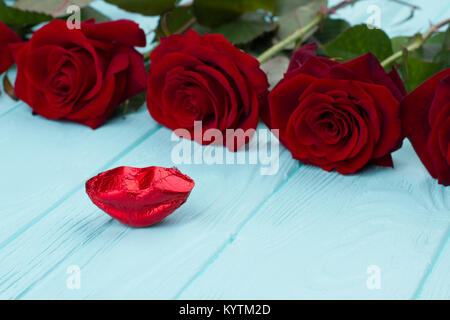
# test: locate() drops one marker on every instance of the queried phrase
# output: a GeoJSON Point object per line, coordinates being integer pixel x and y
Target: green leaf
{"type": "Point", "coordinates": [443, 56]}
{"type": "Point", "coordinates": [275, 69]}
{"type": "Point", "coordinates": [330, 29]}
{"type": "Point", "coordinates": [243, 30]}
{"type": "Point", "coordinates": [399, 42]}
{"type": "Point", "coordinates": [429, 52]}
{"type": "Point", "coordinates": [55, 8]}
{"type": "Point", "coordinates": [15, 17]}
{"type": "Point", "coordinates": [131, 105]}
{"type": "Point", "coordinates": [214, 13]}
{"type": "Point", "coordinates": [174, 21]}
{"type": "Point", "coordinates": [145, 7]}
{"type": "Point", "coordinates": [357, 41]}
{"type": "Point", "coordinates": [91, 13]}
{"type": "Point", "coordinates": [286, 6]}
{"type": "Point", "coordinates": [418, 72]}
{"type": "Point", "coordinates": [298, 17]}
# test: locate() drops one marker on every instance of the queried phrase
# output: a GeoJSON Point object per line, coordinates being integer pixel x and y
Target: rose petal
{"type": "Point", "coordinates": [415, 117]}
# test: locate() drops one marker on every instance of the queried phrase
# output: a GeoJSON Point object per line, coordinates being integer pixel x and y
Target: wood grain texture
{"type": "Point", "coordinates": [436, 283]}
{"type": "Point", "coordinates": [303, 233]}
{"type": "Point", "coordinates": [46, 161]}
{"type": "Point", "coordinates": [120, 262]}
{"type": "Point", "coordinates": [318, 235]}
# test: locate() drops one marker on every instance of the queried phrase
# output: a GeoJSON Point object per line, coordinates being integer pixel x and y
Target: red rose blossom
{"type": "Point", "coordinates": [426, 121]}
{"type": "Point", "coordinates": [80, 75]}
{"type": "Point", "coordinates": [7, 36]}
{"type": "Point", "coordinates": [139, 197]}
{"type": "Point", "coordinates": [338, 116]}
{"type": "Point", "coordinates": [204, 78]}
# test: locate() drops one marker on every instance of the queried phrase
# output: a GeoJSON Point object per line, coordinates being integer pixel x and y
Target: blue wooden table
{"type": "Point", "coordinates": [302, 233]}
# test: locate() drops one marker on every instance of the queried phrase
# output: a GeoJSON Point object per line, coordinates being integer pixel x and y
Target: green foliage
{"type": "Point", "coordinates": [18, 18]}
{"type": "Point", "coordinates": [287, 6]}
{"type": "Point", "coordinates": [275, 69]}
{"type": "Point", "coordinates": [427, 52]}
{"type": "Point", "coordinates": [423, 63]}
{"type": "Point", "coordinates": [242, 30]}
{"type": "Point", "coordinates": [330, 29]}
{"type": "Point", "coordinates": [174, 21]}
{"type": "Point", "coordinates": [254, 25]}
{"type": "Point", "coordinates": [131, 105]}
{"type": "Point", "coordinates": [91, 13]}
{"type": "Point", "coordinates": [145, 7]}
{"type": "Point", "coordinates": [357, 41]}
{"type": "Point", "coordinates": [443, 56]}
{"type": "Point", "coordinates": [55, 8]}
{"type": "Point", "coordinates": [213, 13]}
{"type": "Point", "coordinates": [292, 18]}
{"type": "Point", "coordinates": [417, 71]}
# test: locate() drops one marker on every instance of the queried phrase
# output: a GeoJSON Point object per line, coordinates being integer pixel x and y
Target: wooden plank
{"type": "Point", "coordinates": [436, 283]}
{"type": "Point", "coordinates": [44, 162]}
{"type": "Point", "coordinates": [164, 261]}
{"type": "Point", "coordinates": [47, 161]}
{"type": "Point", "coordinates": [320, 234]}
{"type": "Point", "coordinates": [121, 262]}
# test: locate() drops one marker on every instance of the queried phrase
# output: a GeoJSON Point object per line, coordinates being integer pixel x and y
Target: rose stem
{"type": "Point", "coordinates": [182, 30]}
{"type": "Point", "coordinates": [416, 44]}
{"type": "Point", "coordinates": [146, 55]}
{"type": "Point", "coordinates": [298, 34]}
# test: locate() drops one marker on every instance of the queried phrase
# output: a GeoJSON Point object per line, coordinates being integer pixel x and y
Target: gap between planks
{"type": "Point", "coordinates": [434, 262]}
{"type": "Point", "coordinates": [5, 113]}
{"type": "Point", "coordinates": [122, 154]}
{"type": "Point", "coordinates": [233, 235]}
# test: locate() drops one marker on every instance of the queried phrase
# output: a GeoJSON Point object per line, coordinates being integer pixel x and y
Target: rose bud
{"type": "Point", "coordinates": [80, 75]}
{"type": "Point", "coordinates": [426, 121]}
{"type": "Point", "coordinates": [139, 197]}
{"type": "Point", "coordinates": [7, 36]}
{"type": "Point", "coordinates": [338, 116]}
{"type": "Point", "coordinates": [205, 78]}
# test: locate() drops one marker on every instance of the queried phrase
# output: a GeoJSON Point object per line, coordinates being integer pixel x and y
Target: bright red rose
{"type": "Point", "coordinates": [80, 75]}
{"type": "Point", "coordinates": [7, 36]}
{"type": "Point", "coordinates": [204, 78]}
{"type": "Point", "coordinates": [426, 121]}
{"type": "Point", "coordinates": [338, 116]}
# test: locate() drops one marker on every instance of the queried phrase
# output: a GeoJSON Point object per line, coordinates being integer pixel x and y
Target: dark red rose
{"type": "Point", "coordinates": [204, 78]}
{"type": "Point", "coordinates": [80, 75]}
{"type": "Point", "coordinates": [139, 197]}
{"type": "Point", "coordinates": [426, 121]}
{"type": "Point", "coordinates": [338, 116]}
{"type": "Point", "coordinates": [7, 36]}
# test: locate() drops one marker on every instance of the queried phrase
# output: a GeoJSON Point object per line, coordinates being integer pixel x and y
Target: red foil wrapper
{"type": "Point", "coordinates": [139, 197]}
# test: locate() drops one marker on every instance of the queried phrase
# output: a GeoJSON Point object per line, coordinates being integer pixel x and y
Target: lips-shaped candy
{"type": "Point", "coordinates": [139, 197]}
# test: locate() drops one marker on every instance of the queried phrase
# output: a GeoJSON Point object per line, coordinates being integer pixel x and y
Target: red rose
{"type": "Point", "coordinates": [7, 36]}
{"type": "Point", "coordinates": [338, 116]}
{"type": "Point", "coordinates": [204, 78]}
{"type": "Point", "coordinates": [80, 75]}
{"type": "Point", "coordinates": [426, 121]}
